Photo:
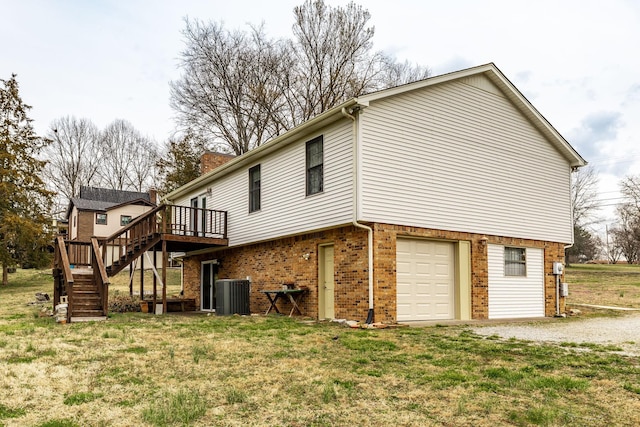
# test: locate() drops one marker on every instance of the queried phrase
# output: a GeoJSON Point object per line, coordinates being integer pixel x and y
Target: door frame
{"type": "Point", "coordinates": [322, 310]}
{"type": "Point", "coordinates": [213, 284]}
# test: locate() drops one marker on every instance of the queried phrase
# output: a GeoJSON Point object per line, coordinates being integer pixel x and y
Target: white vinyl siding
{"type": "Point", "coordinates": [285, 209]}
{"type": "Point", "coordinates": [425, 280]}
{"type": "Point", "coordinates": [460, 157]}
{"type": "Point", "coordinates": [515, 296]}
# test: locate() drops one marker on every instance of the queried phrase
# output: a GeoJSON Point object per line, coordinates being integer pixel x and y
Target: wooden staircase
{"type": "Point", "coordinates": [85, 288]}
{"type": "Point", "coordinates": [86, 297]}
{"type": "Point", "coordinates": [86, 285]}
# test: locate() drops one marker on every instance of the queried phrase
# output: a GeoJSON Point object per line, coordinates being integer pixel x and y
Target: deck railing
{"type": "Point", "coordinates": [164, 219]}
{"type": "Point", "coordinates": [198, 222]}
{"type": "Point", "coordinates": [79, 253]}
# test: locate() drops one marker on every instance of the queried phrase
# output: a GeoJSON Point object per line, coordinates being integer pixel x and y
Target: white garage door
{"type": "Point", "coordinates": [516, 296]}
{"type": "Point", "coordinates": [425, 280]}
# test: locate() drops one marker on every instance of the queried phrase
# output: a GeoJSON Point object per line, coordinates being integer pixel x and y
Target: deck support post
{"type": "Point", "coordinates": [155, 284]}
{"type": "Point", "coordinates": [132, 271]}
{"type": "Point", "coordinates": [141, 278]}
{"type": "Point", "coordinates": [164, 275]}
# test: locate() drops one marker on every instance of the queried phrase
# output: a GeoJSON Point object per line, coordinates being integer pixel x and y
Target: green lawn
{"type": "Point", "coordinates": [137, 369]}
{"type": "Point", "coordinates": [602, 284]}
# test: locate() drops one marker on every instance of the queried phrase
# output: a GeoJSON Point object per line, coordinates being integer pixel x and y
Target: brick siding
{"type": "Point", "coordinates": [270, 264]}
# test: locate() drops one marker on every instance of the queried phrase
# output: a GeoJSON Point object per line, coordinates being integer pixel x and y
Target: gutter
{"type": "Point", "coordinates": [355, 137]}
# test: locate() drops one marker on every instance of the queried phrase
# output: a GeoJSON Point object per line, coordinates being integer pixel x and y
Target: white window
{"type": "Point", "coordinates": [515, 262]}
{"type": "Point", "coordinates": [101, 218]}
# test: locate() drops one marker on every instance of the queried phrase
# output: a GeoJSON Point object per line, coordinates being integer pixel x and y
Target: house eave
{"type": "Point", "coordinates": [254, 155]}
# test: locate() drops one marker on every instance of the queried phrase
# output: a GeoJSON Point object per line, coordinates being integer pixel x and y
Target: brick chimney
{"type": "Point", "coordinates": [153, 196]}
{"type": "Point", "coordinates": [211, 160]}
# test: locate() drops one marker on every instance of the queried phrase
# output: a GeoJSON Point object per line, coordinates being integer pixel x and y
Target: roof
{"type": "Point", "coordinates": [104, 199]}
{"type": "Point", "coordinates": [110, 195]}
{"type": "Point", "coordinates": [489, 70]}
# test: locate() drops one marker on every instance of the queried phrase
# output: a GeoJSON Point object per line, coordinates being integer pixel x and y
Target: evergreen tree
{"type": "Point", "coordinates": [180, 163]}
{"type": "Point", "coordinates": [24, 200]}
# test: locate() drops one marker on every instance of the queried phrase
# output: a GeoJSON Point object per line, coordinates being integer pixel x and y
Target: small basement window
{"type": "Point", "coordinates": [125, 219]}
{"type": "Point", "coordinates": [515, 261]}
{"type": "Point", "coordinates": [101, 218]}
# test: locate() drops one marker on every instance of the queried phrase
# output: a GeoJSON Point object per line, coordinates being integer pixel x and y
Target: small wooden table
{"type": "Point", "coordinates": [294, 295]}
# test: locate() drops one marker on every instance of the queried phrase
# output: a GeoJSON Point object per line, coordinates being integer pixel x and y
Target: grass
{"type": "Point", "coordinates": [602, 284]}
{"type": "Point", "coordinates": [205, 370]}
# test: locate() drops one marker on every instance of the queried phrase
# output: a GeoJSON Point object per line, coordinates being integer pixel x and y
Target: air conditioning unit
{"type": "Point", "coordinates": [232, 297]}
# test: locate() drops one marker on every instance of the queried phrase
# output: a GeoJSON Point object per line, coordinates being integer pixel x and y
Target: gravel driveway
{"type": "Point", "coordinates": [623, 332]}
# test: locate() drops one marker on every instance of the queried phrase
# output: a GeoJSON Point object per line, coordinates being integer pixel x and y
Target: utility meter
{"type": "Point", "coordinates": [558, 268]}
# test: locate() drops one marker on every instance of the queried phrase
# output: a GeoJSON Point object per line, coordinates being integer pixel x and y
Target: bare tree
{"type": "Point", "coordinates": [332, 49]}
{"type": "Point", "coordinates": [626, 236]}
{"type": "Point", "coordinates": [614, 249]}
{"type": "Point", "coordinates": [72, 157]}
{"type": "Point", "coordinates": [142, 172]}
{"type": "Point", "coordinates": [127, 158]}
{"type": "Point", "coordinates": [394, 73]}
{"type": "Point", "coordinates": [630, 189]}
{"type": "Point", "coordinates": [231, 86]}
{"type": "Point", "coordinates": [584, 196]}
{"type": "Point", "coordinates": [239, 89]}
{"type": "Point", "coordinates": [335, 61]}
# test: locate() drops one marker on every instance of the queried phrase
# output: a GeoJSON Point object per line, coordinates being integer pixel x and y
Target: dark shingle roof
{"type": "Point", "coordinates": [111, 196]}
{"type": "Point", "coordinates": [101, 199]}
{"type": "Point", "coordinates": [91, 205]}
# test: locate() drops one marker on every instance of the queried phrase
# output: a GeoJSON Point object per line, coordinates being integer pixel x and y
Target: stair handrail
{"type": "Point", "coordinates": [64, 259]}
{"type": "Point", "coordinates": [132, 224]}
{"type": "Point", "coordinates": [98, 266]}
{"type": "Point", "coordinates": [100, 275]}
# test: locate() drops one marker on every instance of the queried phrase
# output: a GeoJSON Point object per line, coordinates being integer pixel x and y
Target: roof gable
{"type": "Point", "coordinates": [499, 84]}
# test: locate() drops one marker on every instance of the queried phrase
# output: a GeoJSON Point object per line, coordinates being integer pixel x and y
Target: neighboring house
{"type": "Point", "coordinates": [101, 212]}
{"type": "Point", "coordinates": [447, 198]}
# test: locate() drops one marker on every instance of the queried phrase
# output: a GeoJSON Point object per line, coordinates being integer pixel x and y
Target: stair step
{"type": "Point", "coordinates": [93, 298]}
{"type": "Point", "coordinates": [88, 318]}
{"type": "Point", "coordinates": [87, 313]}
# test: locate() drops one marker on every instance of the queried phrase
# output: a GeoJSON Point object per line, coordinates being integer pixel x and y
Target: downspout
{"type": "Point", "coordinates": [354, 138]}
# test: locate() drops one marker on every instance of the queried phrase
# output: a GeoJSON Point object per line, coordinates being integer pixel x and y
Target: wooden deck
{"type": "Point", "coordinates": [166, 228]}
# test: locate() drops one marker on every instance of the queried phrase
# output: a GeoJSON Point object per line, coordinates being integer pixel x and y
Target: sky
{"type": "Point", "coordinates": [576, 61]}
